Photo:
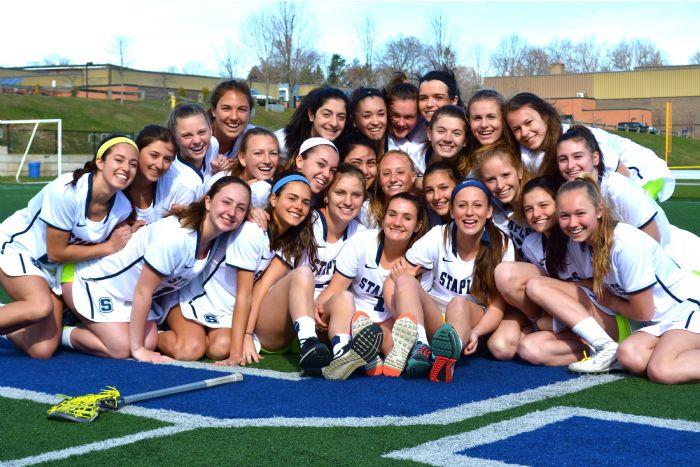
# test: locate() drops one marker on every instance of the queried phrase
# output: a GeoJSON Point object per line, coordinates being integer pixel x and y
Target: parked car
{"type": "Point", "coordinates": [260, 98]}
{"type": "Point", "coordinates": [652, 130]}
{"type": "Point", "coordinates": [637, 127]}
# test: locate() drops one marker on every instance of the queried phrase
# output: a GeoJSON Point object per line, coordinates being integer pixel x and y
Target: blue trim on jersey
{"type": "Point", "coordinates": [428, 154]}
{"type": "Point", "coordinates": [92, 307]}
{"type": "Point", "coordinates": [116, 273]}
{"type": "Point", "coordinates": [453, 235]}
{"type": "Point", "coordinates": [687, 323]}
{"type": "Point", "coordinates": [645, 288]}
{"type": "Point", "coordinates": [57, 228]}
{"type": "Point", "coordinates": [88, 199]}
{"type": "Point", "coordinates": [345, 275]}
{"type": "Point", "coordinates": [12, 237]}
{"type": "Point", "coordinates": [155, 269]}
{"type": "Point", "coordinates": [286, 263]}
{"type": "Point", "coordinates": [380, 250]}
{"type": "Point", "coordinates": [194, 169]}
{"type": "Point", "coordinates": [324, 224]}
{"type": "Point", "coordinates": [21, 261]}
{"type": "Point", "coordinates": [204, 282]}
{"type": "Point", "coordinates": [663, 286]}
{"type": "Point", "coordinates": [649, 221]}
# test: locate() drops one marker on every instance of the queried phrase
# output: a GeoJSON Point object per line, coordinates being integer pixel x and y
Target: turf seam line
{"type": "Point", "coordinates": [444, 451]}
{"type": "Point", "coordinates": [289, 376]}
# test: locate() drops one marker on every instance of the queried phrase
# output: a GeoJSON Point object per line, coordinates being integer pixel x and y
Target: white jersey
{"type": "Point", "coordinates": [167, 247]}
{"type": "Point", "coordinates": [365, 216]}
{"type": "Point", "coordinates": [281, 135]}
{"type": "Point", "coordinates": [326, 254]}
{"type": "Point", "coordinates": [505, 221]}
{"type": "Point", "coordinates": [451, 275]}
{"type": "Point", "coordinates": [535, 252]}
{"type": "Point", "coordinates": [188, 178]}
{"type": "Point", "coordinates": [359, 261]}
{"type": "Point", "coordinates": [259, 190]}
{"type": "Point", "coordinates": [639, 263]}
{"type": "Point", "coordinates": [236, 148]}
{"type": "Point", "coordinates": [632, 205]}
{"type": "Point", "coordinates": [64, 207]}
{"type": "Point", "coordinates": [167, 192]}
{"type": "Point", "coordinates": [414, 144]}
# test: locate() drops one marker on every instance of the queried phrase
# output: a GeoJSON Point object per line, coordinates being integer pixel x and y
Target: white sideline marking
{"type": "Point", "coordinates": [444, 451]}
{"type": "Point", "coordinates": [288, 376]}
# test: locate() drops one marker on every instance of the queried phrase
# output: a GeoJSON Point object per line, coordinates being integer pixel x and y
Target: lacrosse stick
{"type": "Point", "coordinates": [85, 408]}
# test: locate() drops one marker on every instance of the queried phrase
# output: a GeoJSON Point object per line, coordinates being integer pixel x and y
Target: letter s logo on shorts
{"type": "Point", "coordinates": [105, 305]}
{"type": "Point", "coordinates": [211, 319]}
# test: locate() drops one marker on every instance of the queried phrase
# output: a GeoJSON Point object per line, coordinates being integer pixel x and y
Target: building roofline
{"type": "Point", "coordinates": [642, 68]}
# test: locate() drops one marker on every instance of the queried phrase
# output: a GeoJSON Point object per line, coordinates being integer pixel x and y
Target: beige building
{"type": "Point", "coordinates": [641, 89]}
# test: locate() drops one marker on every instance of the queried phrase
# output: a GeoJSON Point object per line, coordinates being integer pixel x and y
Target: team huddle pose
{"type": "Point", "coordinates": [390, 232]}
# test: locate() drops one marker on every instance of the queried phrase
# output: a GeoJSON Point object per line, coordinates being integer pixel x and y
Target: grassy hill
{"type": "Point", "coordinates": [684, 151]}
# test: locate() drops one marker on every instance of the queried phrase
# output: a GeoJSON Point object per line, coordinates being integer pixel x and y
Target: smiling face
{"type": "Point", "coordinates": [403, 116]}
{"type": "Point", "coordinates": [574, 158]}
{"type": "Point", "coordinates": [261, 158]}
{"type": "Point", "coordinates": [193, 135]}
{"type": "Point", "coordinates": [370, 117]}
{"type": "Point", "coordinates": [432, 95]}
{"type": "Point", "coordinates": [365, 159]}
{"type": "Point", "coordinates": [578, 216]}
{"type": "Point", "coordinates": [501, 178]}
{"type": "Point", "coordinates": [470, 210]}
{"type": "Point", "coordinates": [400, 221]}
{"type": "Point", "coordinates": [485, 121]}
{"type": "Point", "coordinates": [528, 127]}
{"type": "Point", "coordinates": [292, 205]}
{"type": "Point", "coordinates": [118, 167]}
{"type": "Point", "coordinates": [448, 136]}
{"type": "Point", "coordinates": [155, 159]}
{"type": "Point", "coordinates": [540, 210]}
{"type": "Point", "coordinates": [228, 208]}
{"type": "Point", "coordinates": [437, 188]}
{"type": "Point", "coordinates": [396, 174]}
{"type": "Point", "coordinates": [319, 166]}
{"type": "Point", "coordinates": [345, 198]}
{"type": "Point", "coordinates": [329, 120]}
{"type": "Point", "coordinates": [231, 115]}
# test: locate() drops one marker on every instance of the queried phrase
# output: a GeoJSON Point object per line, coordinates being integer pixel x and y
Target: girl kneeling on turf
{"type": "Point", "coordinates": [646, 285]}
{"type": "Point", "coordinates": [362, 267]}
{"type": "Point", "coordinates": [113, 295]}
{"type": "Point", "coordinates": [76, 217]}
{"type": "Point", "coordinates": [463, 303]}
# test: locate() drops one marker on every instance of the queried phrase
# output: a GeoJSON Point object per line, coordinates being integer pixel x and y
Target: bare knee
{"type": "Point", "coordinates": [120, 351]}
{"type": "Point", "coordinates": [502, 347]}
{"type": "Point", "coordinates": [507, 281]}
{"type": "Point", "coordinates": [536, 288]}
{"type": "Point", "coordinates": [632, 357]}
{"type": "Point", "coordinates": [530, 351]}
{"type": "Point", "coordinates": [43, 350]}
{"type": "Point", "coordinates": [189, 350]}
{"type": "Point", "coordinates": [219, 348]}
{"type": "Point", "coordinates": [39, 307]}
{"type": "Point", "coordinates": [405, 280]}
{"type": "Point", "coordinates": [303, 276]}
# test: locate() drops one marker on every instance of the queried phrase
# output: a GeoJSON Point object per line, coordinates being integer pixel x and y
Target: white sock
{"type": "Point", "coordinates": [340, 341]}
{"type": "Point", "coordinates": [65, 336]}
{"type": "Point", "coordinates": [3, 336]}
{"type": "Point", "coordinates": [305, 327]}
{"type": "Point", "coordinates": [422, 336]}
{"type": "Point", "coordinates": [590, 331]}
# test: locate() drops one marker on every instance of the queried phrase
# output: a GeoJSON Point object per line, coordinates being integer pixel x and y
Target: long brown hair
{"type": "Point", "coordinates": [192, 215]}
{"type": "Point", "coordinates": [295, 242]}
{"type": "Point", "coordinates": [603, 236]}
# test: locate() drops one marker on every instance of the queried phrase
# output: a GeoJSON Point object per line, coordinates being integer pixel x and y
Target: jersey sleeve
{"type": "Point", "coordinates": [529, 248]}
{"type": "Point", "coordinates": [260, 192]}
{"type": "Point", "coordinates": [630, 202]}
{"type": "Point", "coordinates": [348, 261]}
{"type": "Point", "coordinates": [246, 247]}
{"type": "Point", "coordinates": [426, 251]}
{"type": "Point", "coordinates": [60, 206]}
{"type": "Point", "coordinates": [634, 265]}
{"type": "Point", "coordinates": [611, 145]}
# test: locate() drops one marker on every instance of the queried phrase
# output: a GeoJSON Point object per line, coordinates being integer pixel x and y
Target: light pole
{"type": "Point", "coordinates": [87, 85]}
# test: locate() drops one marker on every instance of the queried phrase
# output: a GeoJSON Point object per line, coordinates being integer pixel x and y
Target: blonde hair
{"type": "Point", "coordinates": [603, 237]}
{"type": "Point", "coordinates": [378, 202]}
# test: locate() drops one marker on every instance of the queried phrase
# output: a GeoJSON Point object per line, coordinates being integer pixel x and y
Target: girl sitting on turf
{"type": "Point", "coordinates": [322, 113]}
{"type": "Point", "coordinates": [448, 138]}
{"type": "Point", "coordinates": [282, 300]}
{"type": "Point", "coordinates": [646, 285]}
{"type": "Point", "coordinates": [357, 286]}
{"type": "Point", "coordinates": [113, 295]}
{"type": "Point", "coordinates": [369, 115]}
{"type": "Point", "coordinates": [536, 125]}
{"type": "Point", "coordinates": [396, 175]}
{"type": "Point", "coordinates": [463, 303]}
{"type": "Point", "coordinates": [438, 182]}
{"type": "Point", "coordinates": [155, 190]}
{"type": "Point", "coordinates": [257, 163]}
{"type": "Point", "coordinates": [76, 217]}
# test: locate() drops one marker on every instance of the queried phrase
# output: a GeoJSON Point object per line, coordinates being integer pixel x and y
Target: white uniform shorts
{"type": "Point", "coordinates": [96, 304]}
{"type": "Point", "coordinates": [683, 316]}
{"type": "Point", "coordinates": [20, 264]}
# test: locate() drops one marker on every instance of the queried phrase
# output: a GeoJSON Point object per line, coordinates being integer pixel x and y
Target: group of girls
{"type": "Point", "coordinates": [391, 230]}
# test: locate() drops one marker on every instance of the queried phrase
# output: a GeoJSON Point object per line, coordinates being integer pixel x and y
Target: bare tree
{"type": "Point", "coordinates": [620, 56]}
{"type": "Point", "coordinates": [293, 38]}
{"type": "Point", "coordinates": [646, 53]}
{"type": "Point", "coordinates": [406, 54]}
{"type": "Point", "coordinates": [588, 56]}
{"type": "Point", "coordinates": [560, 51]}
{"type": "Point", "coordinates": [508, 57]}
{"type": "Point", "coordinates": [535, 61]}
{"type": "Point", "coordinates": [477, 61]}
{"type": "Point", "coordinates": [440, 51]}
{"type": "Point", "coordinates": [695, 58]}
{"type": "Point", "coordinates": [55, 59]}
{"type": "Point", "coordinates": [120, 47]}
{"type": "Point", "coordinates": [228, 60]}
{"type": "Point", "coordinates": [194, 68]}
{"type": "Point", "coordinates": [261, 40]}
{"type": "Point", "coordinates": [366, 30]}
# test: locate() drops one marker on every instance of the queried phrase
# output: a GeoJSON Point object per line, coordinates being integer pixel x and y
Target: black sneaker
{"type": "Point", "coordinates": [363, 348]}
{"type": "Point", "coordinates": [313, 356]}
{"type": "Point", "coordinates": [419, 361]}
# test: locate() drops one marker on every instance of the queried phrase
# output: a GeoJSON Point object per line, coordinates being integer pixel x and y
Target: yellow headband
{"type": "Point", "coordinates": [111, 142]}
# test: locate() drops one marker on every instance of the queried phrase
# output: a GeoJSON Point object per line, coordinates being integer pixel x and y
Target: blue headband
{"type": "Point", "coordinates": [288, 179]}
{"type": "Point", "coordinates": [467, 182]}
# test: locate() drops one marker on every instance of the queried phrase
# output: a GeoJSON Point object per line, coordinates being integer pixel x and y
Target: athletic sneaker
{"type": "Point", "coordinates": [375, 367]}
{"type": "Point", "coordinates": [446, 351]}
{"type": "Point", "coordinates": [361, 320]}
{"type": "Point", "coordinates": [602, 361]}
{"type": "Point", "coordinates": [313, 356]}
{"type": "Point", "coordinates": [419, 361]}
{"type": "Point", "coordinates": [363, 348]}
{"type": "Point", "coordinates": [404, 335]}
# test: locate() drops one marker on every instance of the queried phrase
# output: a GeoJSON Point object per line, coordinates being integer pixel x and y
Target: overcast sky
{"type": "Point", "coordinates": [174, 34]}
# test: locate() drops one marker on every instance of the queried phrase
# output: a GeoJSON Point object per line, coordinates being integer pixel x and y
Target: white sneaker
{"type": "Point", "coordinates": [602, 361]}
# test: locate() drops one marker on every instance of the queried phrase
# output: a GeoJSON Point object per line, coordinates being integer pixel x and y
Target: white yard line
{"type": "Point", "coordinates": [283, 375]}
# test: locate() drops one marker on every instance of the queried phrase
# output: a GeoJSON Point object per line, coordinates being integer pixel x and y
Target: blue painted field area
{"type": "Point", "coordinates": [588, 441]}
{"type": "Point", "coordinates": [261, 397]}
